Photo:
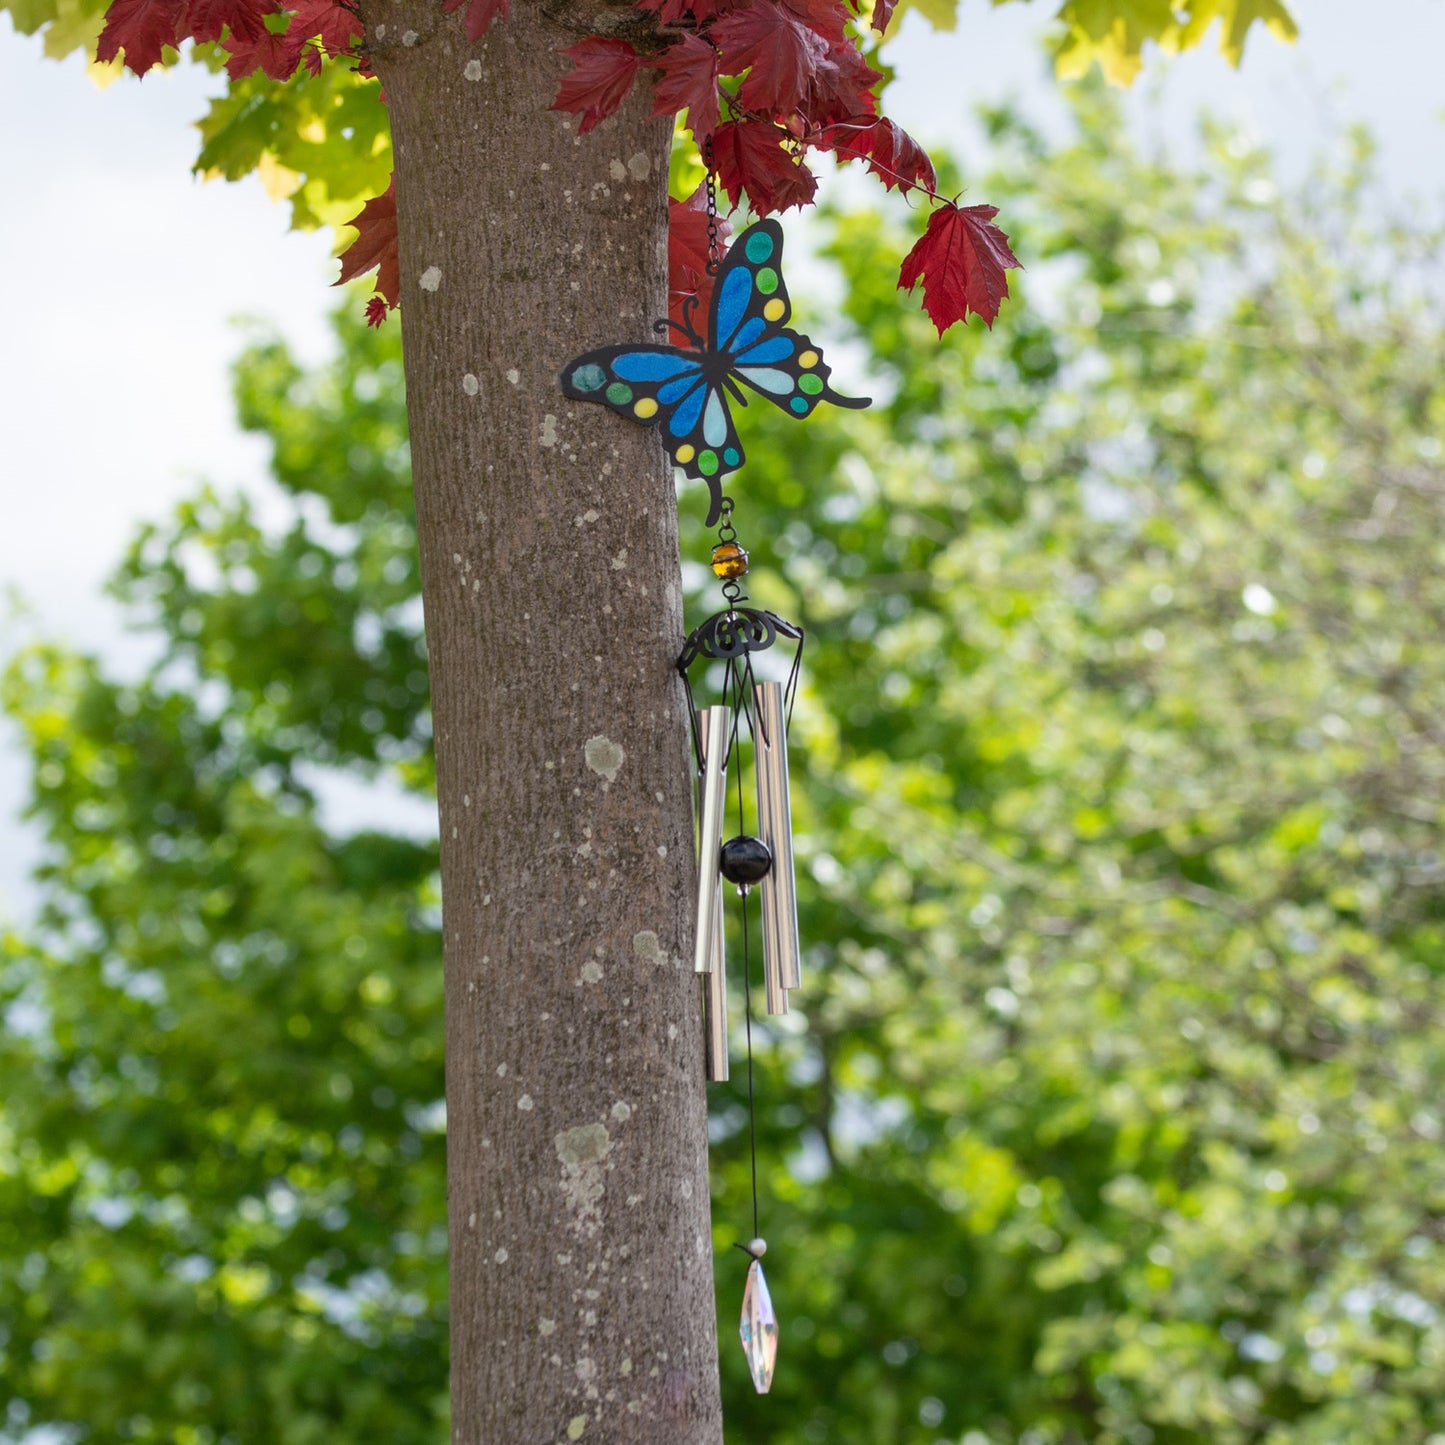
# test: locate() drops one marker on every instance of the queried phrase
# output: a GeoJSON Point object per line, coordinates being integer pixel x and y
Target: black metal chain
{"type": "Point", "coordinates": [714, 249]}
{"type": "Point", "coordinates": [726, 532]}
{"type": "Point", "coordinates": [732, 589]}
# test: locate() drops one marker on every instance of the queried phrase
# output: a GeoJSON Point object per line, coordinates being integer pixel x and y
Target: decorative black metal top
{"type": "Point", "coordinates": [732, 633]}
{"type": "Point", "coordinates": [732, 637]}
{"type": "Point", "coordinates": [686, 389]}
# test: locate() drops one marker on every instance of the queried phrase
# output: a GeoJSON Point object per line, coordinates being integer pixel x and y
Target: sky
{"type": "Point", "coordinates": [124, 277]}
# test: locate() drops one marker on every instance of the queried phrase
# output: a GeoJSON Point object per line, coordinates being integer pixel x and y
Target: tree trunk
{"type": "Point", "coordinates": [581, 1258]}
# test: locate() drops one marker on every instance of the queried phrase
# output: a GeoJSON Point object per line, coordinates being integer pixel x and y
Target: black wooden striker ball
{"type": "Point", "coordinates": [745, 860]}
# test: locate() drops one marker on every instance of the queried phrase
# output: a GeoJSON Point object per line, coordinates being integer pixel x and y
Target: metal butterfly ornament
{"type": "Point", "coordinates": [685, 390]}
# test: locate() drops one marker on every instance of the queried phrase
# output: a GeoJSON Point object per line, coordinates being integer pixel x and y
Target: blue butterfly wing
{"type": "Point", "coordinates": [639, 382]}
{"type": "Point", "coordinates": [667, 387]}
{"type": "Point", "coordinates": [750, 295]}
{"type": "Point", "coordinates": [701, 437]}
{"type": "Point", "coordinates": [749, 323]}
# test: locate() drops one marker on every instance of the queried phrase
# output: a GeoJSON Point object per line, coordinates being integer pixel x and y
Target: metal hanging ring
{"type": "Point", "coordinates": [726, 532]}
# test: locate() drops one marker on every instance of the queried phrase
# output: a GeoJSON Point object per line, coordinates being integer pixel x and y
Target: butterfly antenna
{"type": "Point", "coordinates": [685, 326]}
{"type": "Point", "coordinates": [663, 327]}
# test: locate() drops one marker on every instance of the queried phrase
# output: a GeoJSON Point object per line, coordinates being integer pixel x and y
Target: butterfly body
{"type": "Point", "coordinates": [685, 390]}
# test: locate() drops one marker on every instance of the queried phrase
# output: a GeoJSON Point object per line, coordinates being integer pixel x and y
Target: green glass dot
{"type": "Point", "coordinates": [811, 384]}
{"type": "Point", "coordinates": [759, 247]}
{"type": "Point", "coordinates": [588, 378]}
{"type": "Point", "coordinates": [707, 463]}
{"type": "Point", "coordinates": [799, 404]}
{"type": "Point", "coordinates": [767, 280]}
{"type": "Point", "coordinates": [730, 456]}
{"type": "Point", "coordinates": [618, 394]}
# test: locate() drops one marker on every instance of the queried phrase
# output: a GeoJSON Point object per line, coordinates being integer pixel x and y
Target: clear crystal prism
{"type": "Point", "coordinates": [759, 1329]}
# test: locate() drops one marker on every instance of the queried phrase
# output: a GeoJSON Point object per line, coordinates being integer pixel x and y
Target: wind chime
{"type": "Point", "coordinates": [685, 390]}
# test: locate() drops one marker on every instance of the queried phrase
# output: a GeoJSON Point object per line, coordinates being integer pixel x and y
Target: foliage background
{"type": "Point", "coordinates": [1115, 1117]}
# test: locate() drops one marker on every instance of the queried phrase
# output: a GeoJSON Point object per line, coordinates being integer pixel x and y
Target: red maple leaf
{"type": "Point", "coordinates": [891, 153]}
{"type": "Point", "coordinates": [271, 53]}
{"type": "Point", "coordinates": [687, 253]}
{"type": "Point", "coordinates": [602, 74]}
{"type": "Point", "coordinates": [142, 28]}
{"type": "Point", "coordinates": [963, 260]}
{"type": "Point", "coordinates": [245, 19]}
{"type": "Point", "coordinates": [687, 80]}
{"type": "Point", "coordinates": [677, 12]}
{"type": "Point", "coordinates": [751, 161]}
{"type": "Point", "coordinates": [882, 14]}
{"type": "Point", "coordinates": [337, 26]}
{"type": "Point", "coordinates": [375, 245]}
{"type": "Point", "coordinates": [480, 14]}
{"type": "Point", "coordinates": [844, 90]}
{"type": "Point", "coordinates": [376, 310]}
{"type": "Point", "coordinates": [827, 17]}
{"type": "Point", "coordinates": [782, 54]}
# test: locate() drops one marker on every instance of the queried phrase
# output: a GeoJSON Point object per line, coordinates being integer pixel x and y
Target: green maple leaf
{"type": "Point", "coordinates": [1236, 17]}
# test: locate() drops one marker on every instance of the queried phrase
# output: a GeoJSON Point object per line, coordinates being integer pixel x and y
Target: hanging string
{"type": "Point", "coordinates": [748, 1019]}
{"type": "Point", "coordinates": [738, 685]}
{"type": "Point", "coordinates": [737, 678]}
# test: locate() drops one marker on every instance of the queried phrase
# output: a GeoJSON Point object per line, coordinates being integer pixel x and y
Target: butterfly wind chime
{"type": "Point", "coordinates": [685, 391]}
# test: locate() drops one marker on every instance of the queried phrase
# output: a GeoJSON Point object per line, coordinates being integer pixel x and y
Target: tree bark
{"type": "Point", "coordinates": [581, 1259]}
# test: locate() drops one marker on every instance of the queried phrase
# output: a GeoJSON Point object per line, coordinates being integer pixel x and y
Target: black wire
{"type": "Point", "coordinates": [748, 1009]}
{"type": "Point", "coordinates": [752, 1103]}
{"type": "Point", "coordinates": [790, 691]}
{"type": "Point", "coordinates": [748, 682]}
{"type": "Point", "coordinates": [738, 683]}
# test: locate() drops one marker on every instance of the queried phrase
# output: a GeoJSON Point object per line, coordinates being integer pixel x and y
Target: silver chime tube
{"type": "Point", "coordinates": [713, 733]}
{"type": "Point", "coordinates": [774, 993]}
{"type": "Point", "coordinates": [782, 954]}
{"type": "Point", "coordinates": [715, 997]}
{"type": "Point", "coordinates": [715, 1011]}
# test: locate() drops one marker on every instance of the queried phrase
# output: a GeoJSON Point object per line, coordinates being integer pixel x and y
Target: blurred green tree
{"type": "Point", "coordinates": [1116, 1114]}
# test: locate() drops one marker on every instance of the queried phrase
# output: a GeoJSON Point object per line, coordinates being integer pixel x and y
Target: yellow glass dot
{"type": "Point", "coordinates": [645, 407]}
{"type": "Point", "coordinates": [807, 359]}
{"type": "Point", "coordinates": [774, 309]}
{"type": "Point", "coordinates": [684, 454]}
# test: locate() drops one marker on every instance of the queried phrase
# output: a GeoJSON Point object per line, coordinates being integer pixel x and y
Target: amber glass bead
{"type": "Point", "coordinates": [729, 560]}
